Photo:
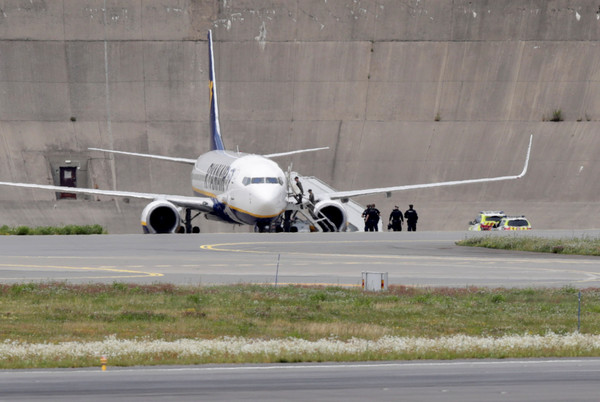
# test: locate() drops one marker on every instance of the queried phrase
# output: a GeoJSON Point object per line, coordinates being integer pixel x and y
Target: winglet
{"type": "Point", "coordinates": [526, 158]}
{"type": "Point", "coordinates": [216, 142]}
{"type": "Point", "coordinates": [355, 193]}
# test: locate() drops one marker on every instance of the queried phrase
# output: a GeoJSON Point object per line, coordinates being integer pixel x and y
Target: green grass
{"type": "Point", "coordinates": [51, 230]}
{"type": "Point", "coordinates": [575, 246]}
{"type": "Point", "coordinates": [58, 312]}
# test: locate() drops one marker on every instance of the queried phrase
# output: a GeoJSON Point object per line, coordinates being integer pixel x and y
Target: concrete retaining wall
{"type": "Point", "coordinates": [401, 92]}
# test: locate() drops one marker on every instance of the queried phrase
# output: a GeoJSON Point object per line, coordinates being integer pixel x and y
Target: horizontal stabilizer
{"type": "Point", "coordinates": [164, 158]}
{"type": "Point", "coordinates": [294, 152]}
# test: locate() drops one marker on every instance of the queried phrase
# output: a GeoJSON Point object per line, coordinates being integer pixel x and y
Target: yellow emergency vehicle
{"type": "Point", "coordinates": [487, 220]}
{"type": "Point", "coordinates": [514, 223]}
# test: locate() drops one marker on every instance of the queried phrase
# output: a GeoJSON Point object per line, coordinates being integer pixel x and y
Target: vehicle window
{"type": "Point", "coordinates": [272, 180]}
{"type": "Point", "coordinates": [517, 222]}
{"type": "Point", "coordinates": [280, 180]}
{"type": "Point", "coordinates": [256, 180]}
{"type": "Point", "coordinates": [246, 181]}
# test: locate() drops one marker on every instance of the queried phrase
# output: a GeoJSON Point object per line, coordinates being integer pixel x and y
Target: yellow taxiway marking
{"type": "Point", "coordinates": [490, 261]}
{"type": "Point", "coordinates": [223, 247]}
{"type": "Point", "coordinates": [132, 273]}
{"type": "Point", "coordinates": [481, 260]}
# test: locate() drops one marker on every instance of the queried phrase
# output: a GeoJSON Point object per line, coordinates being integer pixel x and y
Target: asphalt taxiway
{"type": "Point", "coordinates": [476, 380]}
{"type": "Point", "coordinates": [411, 259]}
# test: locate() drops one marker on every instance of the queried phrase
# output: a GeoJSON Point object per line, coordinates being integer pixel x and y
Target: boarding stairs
{"type": "Point", "coordinates": [355, 220]}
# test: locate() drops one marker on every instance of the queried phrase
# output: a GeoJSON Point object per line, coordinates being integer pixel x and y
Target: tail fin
{"type": "Point", "coordinates": [216, 142]}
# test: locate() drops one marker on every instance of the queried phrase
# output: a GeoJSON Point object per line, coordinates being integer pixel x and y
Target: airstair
{"type": "Point", "coordinates": [355, 221]}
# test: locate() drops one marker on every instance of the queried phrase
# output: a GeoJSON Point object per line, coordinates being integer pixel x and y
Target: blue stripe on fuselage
{"type": "Point", "coordinates": [219, 209]}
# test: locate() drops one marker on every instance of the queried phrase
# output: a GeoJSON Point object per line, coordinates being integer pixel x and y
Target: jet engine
{"type": "Point", "coordinates": [331, 215]}
{"type": "Point", "coordinates": [160, 217]}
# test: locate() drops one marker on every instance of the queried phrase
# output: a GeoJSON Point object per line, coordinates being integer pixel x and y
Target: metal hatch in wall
{"type": "Point", "coordinates": [69, 170]}
{"type": "Point", "coordinates": [68, 178]}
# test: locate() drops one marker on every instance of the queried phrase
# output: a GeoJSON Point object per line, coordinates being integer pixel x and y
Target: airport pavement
{"type": "Point", "coordinates": [549, 380]}
{"type": "Point", "coordinates": [411, 259]}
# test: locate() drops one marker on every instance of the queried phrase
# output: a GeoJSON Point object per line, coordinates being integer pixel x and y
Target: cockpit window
{"type": "Point", "coordinates": [258, 180]}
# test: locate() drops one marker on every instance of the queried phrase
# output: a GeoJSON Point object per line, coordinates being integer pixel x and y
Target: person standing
{"type": "Point", "coordinates": [411, 219]}
{"type": "Point", "coordinates": [373, 218]}
{"type": "Point", "coordinates": [365, 216]}
{"type": "Point", "coordinates": [396, 219]}
{"type": "Point", "coordinates": [300, 190]}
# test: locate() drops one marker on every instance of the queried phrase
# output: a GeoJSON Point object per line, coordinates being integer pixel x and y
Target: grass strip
{"type": "Point", "coordinates": [575, 245]}
{"type": "Point", "coordinates": [52, 230]}
{"type": "Point", "coordinates": [168, 324]}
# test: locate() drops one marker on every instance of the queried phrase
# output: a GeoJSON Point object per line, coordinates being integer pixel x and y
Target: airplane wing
{"type": "Point", "coordinates": [203, 204]}
{"type": "Point", "coordinates": [344, 195]}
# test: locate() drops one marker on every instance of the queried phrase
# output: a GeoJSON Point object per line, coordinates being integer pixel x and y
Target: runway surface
{"type": "Point", "coordinates": [412, 259]}
{"type": "Point", "coordinates": [486, 380]}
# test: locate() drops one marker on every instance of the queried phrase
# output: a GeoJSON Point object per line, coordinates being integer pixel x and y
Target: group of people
{"type": "Point", "coordinates": [300, 194]}
{"type": "Point", "coordinates": [372, 215]}
{"type": "Point", "coordinates": [396, 219]}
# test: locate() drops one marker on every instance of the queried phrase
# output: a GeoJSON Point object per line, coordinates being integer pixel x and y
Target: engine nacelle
{"type": "Point", "coordinates": [335, 213]}
{"type": "Point", "coordinates": [160, 217]}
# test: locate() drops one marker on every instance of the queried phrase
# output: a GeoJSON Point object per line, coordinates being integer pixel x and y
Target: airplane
{"type": "Point", "coordinates": [240, 188]}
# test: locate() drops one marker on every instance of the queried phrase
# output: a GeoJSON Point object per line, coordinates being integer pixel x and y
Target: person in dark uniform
{"type": "Point", "coordinates": [411, 219]}
{"type": "Point", "coordinates": [396, 219]}
{"type": "Point", "coordinates": [300, 190]}
{"type": "Point", "coordinates": [364, 216]}
{"type": "Point", "coordinates": [287, 221]}
{"type": "Point", "coordinates": [373, 218]}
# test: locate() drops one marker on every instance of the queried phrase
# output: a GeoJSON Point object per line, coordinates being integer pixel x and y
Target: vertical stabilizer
{"type": "Point", "coordinates": [216, 142]}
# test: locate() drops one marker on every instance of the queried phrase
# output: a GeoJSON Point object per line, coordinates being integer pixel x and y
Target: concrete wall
{"type": "Point", "coordinates": [402, 92]}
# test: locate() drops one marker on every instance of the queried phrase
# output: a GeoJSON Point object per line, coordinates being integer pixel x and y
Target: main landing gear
{"type": "Point", "coordinates": [188, 228]}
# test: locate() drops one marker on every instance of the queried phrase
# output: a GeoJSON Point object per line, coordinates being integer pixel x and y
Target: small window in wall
{"type": "Point", "coordinates": [68, 178]}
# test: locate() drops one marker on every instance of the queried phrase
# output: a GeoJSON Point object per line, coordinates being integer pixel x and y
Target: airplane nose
{"type": "Point", "coordinates": [268, 200]}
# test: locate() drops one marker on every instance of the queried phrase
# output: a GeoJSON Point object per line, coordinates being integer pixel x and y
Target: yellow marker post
{"type": "Point", "coordinates": [103, 362]}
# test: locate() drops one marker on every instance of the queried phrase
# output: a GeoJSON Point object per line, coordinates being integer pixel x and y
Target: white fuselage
{"type": "Point", "coordinates": [246, 188]}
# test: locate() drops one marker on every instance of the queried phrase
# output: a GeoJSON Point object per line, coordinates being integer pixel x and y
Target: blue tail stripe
{"type": "Point", "coordinates": [216, 142]}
